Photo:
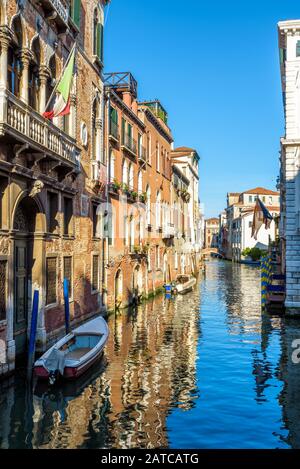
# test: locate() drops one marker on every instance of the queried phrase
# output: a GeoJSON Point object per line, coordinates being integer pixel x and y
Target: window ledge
{"type": "Point", "coordinates": [69, 237]}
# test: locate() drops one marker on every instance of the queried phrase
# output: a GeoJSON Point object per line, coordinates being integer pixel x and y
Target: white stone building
{"type": "Point", "coordinates": [187, 161]}
{"type": "Point", "coordinates": [239, 217]}
{"type": "Point", "coordinates": [289, 47]}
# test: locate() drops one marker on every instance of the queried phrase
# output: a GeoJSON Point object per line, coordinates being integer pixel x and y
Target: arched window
{"type": "Point", "coordinates": [157, 157]}
{"type": "Point", "coordinates": [51, 82]}
{"type": "Point", "coordinates": [158, 210]}
{"type": "Point", "coordinates": [140, 182]}
{"type": "Point", "coordinates": [95, 24]}
{"type": "Point", "coordinates": [14, 67]}
{"type": "Point", "coordinates": [33, 80]}
{"type": "Point", "coordinates": [112, 161]}
{"type": "Point", "coordinates": [130, 176]}
{"type": "Point", "coordinates": [125, 172]}
{"type": "Point", "coordinates": [94, 130]}
{"type": "Point", "coordinates": [97, 36]}
{"type": "Point", "coordinates": [148, 208]}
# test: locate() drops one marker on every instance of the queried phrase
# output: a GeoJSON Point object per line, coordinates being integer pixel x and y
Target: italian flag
{"type": "Point", "coordinates": [62, 102]}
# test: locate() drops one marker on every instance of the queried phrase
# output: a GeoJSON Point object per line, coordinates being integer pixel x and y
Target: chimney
{"type": "Point", "coordinates": [127, 98]}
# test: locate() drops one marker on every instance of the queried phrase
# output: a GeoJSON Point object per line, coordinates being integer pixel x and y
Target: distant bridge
{"type": "Point", "coordinates": [211, 252]}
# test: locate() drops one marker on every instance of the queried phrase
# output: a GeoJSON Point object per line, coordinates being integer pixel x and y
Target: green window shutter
{"type": "Point", "coordinates": [123, 129]}
{"type": "Point", "coordinates": [114, 115]}
{"type": "Point", "coordinates": [298, 49]}
{"type": "Point", "coordinates": [100, 41]}
{"type": "Point", "coordinates": [75, 12]}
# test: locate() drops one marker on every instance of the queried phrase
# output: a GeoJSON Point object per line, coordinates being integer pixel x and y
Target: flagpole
{"type": "Point", "coordinates": [58, 80]}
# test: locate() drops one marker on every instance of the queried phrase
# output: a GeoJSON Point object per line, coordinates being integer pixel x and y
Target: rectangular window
{"type": "Point", "coordinates": [51, 280]}
{"type": "Point", "coordinates": [52, 212]}
{"type": "Point", "coordinates": [3, 274]}
{"type": "Point", "coordinates": [95, 221]}
{"type": "Point", "coordinates": [75, 10]}
{"type": "Point", "coordinates": [95, 273]}
{"type": "Point", "coordinates": [250, 198]}
{"type": "Point", "coordinates": [68, 216]}
{"type": "Point", "coordinates": [99, 41]}
{"type": "Point", "coordinates": [298, 49]}
{"type": "Point", "coordinates": [68, 274]}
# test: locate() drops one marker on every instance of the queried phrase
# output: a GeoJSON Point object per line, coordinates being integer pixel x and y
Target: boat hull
{"type": "Point", "coordinates": [69, 371]}
{"type": "Point", "coordinates": [75, 367]}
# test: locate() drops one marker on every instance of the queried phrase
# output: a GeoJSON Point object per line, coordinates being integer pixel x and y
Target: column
{"type": "Point", "coordinates": [43, 77]}
{"type": "Point", "coordinates": [25, 56]}
{"type": "Point", "coordinates": [5, 38]}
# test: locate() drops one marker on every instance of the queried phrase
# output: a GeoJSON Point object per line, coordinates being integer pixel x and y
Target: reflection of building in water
{"type": "Point", "coordinates": [290, 374]}
{"type": "Point", "coordinates": [151, 357]}
{"type": "Point", "coordinates": [243, 308]}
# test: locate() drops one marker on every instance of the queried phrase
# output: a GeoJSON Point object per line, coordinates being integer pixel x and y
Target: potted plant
{"type": "Point", "coordinates": [136, 249]}
{"type": "Point", "coordinates": [143, 197]}
{"type": "Point", "coordinates": [125, 188]}
{"type": "Point", "coordinates": [116, 186]}
{"type": "Point", "coordinates": [133, 195]}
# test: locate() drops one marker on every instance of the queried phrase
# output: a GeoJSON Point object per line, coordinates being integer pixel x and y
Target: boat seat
{"type": "Point", "coordinates": [77, 353]}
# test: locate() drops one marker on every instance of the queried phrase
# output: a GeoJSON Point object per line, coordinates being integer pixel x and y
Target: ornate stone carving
{"type": "Point", "coordinates": [36, 188]}
{"type": "Point", "coordinates": [4, 245]}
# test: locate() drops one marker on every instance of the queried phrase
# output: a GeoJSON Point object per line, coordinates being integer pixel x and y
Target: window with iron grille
{"type": "Point", "coordinates": [68, 216]}
{"type": "Point", "coordinates": [68, 274]}
{"type": "Point", "coordinates": [95, 273]}
{"type": "Point", "coordinates": [51, 280]}
{"type": "Point", "coordinates": [3, 270]}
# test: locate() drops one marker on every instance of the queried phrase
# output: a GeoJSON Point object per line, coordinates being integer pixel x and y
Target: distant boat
{"type": "Point", "coordinates": [184, 284]}
{"type": "Point", "coordinates": [75, 353]}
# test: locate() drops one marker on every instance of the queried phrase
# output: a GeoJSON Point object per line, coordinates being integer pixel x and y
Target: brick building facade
{"type": "Point", "coordinates": [142, 251]}
{"type": "Point", "coordinates": [49, 171]}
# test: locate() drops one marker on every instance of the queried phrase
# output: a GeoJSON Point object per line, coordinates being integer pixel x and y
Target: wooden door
{"type": "Point", "coordinates": [21, 296]}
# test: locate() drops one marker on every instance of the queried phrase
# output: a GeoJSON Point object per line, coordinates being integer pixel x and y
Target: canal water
{"type": "Point", "coordinates": [206, 370]}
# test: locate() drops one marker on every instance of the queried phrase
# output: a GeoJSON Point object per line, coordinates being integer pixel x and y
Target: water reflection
{"type": "Point", "coordinates": [206, 370]}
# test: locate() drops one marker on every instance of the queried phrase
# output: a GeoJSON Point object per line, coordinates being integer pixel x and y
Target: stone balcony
{"type": "Point", "coordinates": [21, 124]}
{"type": "Point", "coordinates": [57, 11]}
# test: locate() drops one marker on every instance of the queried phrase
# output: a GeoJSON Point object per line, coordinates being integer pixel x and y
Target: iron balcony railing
{"type": "Point", "coordinates": [142, 154]}
{"type": "Point", "coordinates": [129, 144]}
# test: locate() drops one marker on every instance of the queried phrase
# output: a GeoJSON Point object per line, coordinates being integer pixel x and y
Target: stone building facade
{"type": "Point", "coordinates": [289, 46]}
{"type": "Point", "coordinates": [211, 234]}
{"type": "Point", "coordinates": [51, 172]}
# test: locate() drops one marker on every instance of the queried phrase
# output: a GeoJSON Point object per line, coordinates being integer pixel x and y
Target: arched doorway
{"type": "Point", "coordinates": [27, 221]}
{"type": "Point", "coordinates": [119, 288]}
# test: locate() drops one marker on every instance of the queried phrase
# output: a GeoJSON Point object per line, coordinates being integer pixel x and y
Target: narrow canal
{"type": "Point", "coordinates": [206, 370]}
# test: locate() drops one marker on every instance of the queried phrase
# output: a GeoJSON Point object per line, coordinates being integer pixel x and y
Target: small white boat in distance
{"type": "Point", "coordinates": [72, 355]}
{"type": "Point", "coordinates": [184, 284]}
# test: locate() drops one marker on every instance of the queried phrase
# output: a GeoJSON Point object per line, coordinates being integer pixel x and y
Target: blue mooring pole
{"type": "Point", "coordinates": [67, 306]}
{"type": "Point", "coordinates": [33, 328]}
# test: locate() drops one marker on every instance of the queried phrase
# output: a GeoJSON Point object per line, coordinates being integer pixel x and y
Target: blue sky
{"type": "Point", "coordinates": [215, 67]}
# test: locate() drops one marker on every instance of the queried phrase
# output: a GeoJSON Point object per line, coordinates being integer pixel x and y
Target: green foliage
{"type": "Point", "coordinates": [254, 253]}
